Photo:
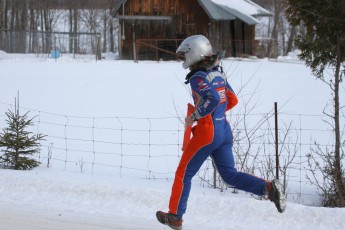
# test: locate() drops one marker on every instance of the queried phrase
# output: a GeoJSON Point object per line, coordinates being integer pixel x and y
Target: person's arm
{"type": "Point", "coordinates": [208, 96]}
{"type": "Point", "coordinates": [231, 96]}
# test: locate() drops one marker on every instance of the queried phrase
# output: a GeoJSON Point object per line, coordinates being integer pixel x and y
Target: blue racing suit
{"type": "Point", "coordinates": [212, 136]}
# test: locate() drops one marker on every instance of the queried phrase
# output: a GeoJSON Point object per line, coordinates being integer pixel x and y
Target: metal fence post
{"type": "Point", "coordinates": [134, 49]}
{"type": "Point", "coordinates": [276, 137]}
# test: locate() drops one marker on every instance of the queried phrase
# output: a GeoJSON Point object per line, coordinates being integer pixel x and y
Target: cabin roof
{"type": "Point", "coordinates": [244, 10]}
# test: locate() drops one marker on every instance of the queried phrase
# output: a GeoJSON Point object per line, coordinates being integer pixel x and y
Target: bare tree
{"type": "Point", "coordinates": [3, 14]}
{"type": "Point", "coordinates": [277, 8]}
{"type": "Point", "coordinates": [290, 42]}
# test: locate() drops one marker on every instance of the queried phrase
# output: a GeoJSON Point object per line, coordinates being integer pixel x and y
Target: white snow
{"type": "Point", "coordinates": [243, 6]}
{"type": "Point", "coordinates": [48, 199]}
{"type": "Point", "coordinates": [61, 197]}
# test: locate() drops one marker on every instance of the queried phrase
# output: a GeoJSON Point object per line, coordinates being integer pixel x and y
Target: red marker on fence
{"type": "Point", "coordinates": [188, 129]}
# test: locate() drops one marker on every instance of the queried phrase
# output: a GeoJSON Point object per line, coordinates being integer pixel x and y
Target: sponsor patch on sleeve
{"type": "Point", "coordinates": [202, 86]}
{"type": "Point", "coordinates": [222, 94]}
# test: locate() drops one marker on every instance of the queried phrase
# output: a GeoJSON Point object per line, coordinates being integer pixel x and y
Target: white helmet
{"type": "Point", "coordinates": [195, 48]}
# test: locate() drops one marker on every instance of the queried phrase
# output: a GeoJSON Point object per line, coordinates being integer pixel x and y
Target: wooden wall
{"type": "Point", "coordinates": [186, 18]}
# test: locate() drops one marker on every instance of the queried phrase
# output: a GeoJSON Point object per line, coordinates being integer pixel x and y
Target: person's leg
{"type": "Point", "coordinates": [193, 157]}
{"type": "Point", "coordinates": [224, 161]}
{"type": "Point", "coordinates": [225, 164]}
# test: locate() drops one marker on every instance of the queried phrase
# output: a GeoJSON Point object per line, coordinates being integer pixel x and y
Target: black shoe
{"type": "Point", "coordinates": [169, 219]}
{"type": "Point", "coordinates": [277, 196]}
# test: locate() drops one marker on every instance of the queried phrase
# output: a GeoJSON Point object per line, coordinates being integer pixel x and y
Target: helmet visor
{"type": "Point", "coordinates": [181, 56]}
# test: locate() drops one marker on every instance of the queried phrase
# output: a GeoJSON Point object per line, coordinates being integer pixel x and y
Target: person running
{"type": "Point", "coordinates": [212, 135]}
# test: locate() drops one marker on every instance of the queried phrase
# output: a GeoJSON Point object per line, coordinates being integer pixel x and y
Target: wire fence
{"type": "Point", "coordinates": [150, 148]}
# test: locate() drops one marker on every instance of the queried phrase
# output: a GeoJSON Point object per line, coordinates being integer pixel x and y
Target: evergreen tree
{"type": "Point", "coordinates": [19, 145]}
{"type": "Point", "coordinates": [322, 46]}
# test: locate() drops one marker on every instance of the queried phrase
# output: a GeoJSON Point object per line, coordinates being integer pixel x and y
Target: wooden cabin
{"type": "Point", "coordinates": [153, 29]}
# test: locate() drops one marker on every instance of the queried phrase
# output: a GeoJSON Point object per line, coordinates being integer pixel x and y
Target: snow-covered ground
{"type": "Point", "coordinates": [48, 199]}
{"type": "Point", "coordinates": [42, 199]}
{"type": "Point", "coordinates": [67, 196]}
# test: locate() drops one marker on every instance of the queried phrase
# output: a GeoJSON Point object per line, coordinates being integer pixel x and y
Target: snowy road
{"type": "Point", "coordinates": [19, 218]}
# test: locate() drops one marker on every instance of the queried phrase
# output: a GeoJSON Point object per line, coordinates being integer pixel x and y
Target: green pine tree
{"type": "Point", "coordinates": [322, 45]}
{"type": "Point", "coordinates": [17, 144]}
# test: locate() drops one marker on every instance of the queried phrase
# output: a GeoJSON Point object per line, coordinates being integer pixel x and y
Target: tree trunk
{"type": "Point", "coordinates": [75, 30]}
{"type": "Point", "coordinates": [339, 186]}
{"type": "Point", "coordinates": [42, 31]}
{"type": "Point", "coordinates": [2, 13]}
{"type": "Point", "coordinates": [70, 19]}
{"type": "Point", "coordinates": [291, 39]}
{"type": "Point", "coordinates": [23, 26]}
{"type": "Point", "coordinates": [104, 31]}
{"type": "Point", "coordinates": [274, 35]}
{"type": "Point", "coordinates": [111, 34]}
{"type": "Point", "coordinates": [4, 16]}
{"type": "Point", "coordinates": [33, 29]}
{"type": "Point", "coordinates": [11, 40]}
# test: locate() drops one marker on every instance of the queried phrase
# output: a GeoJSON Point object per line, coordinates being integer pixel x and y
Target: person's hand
{"type": "Point", "coordinates": [188, 121]}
